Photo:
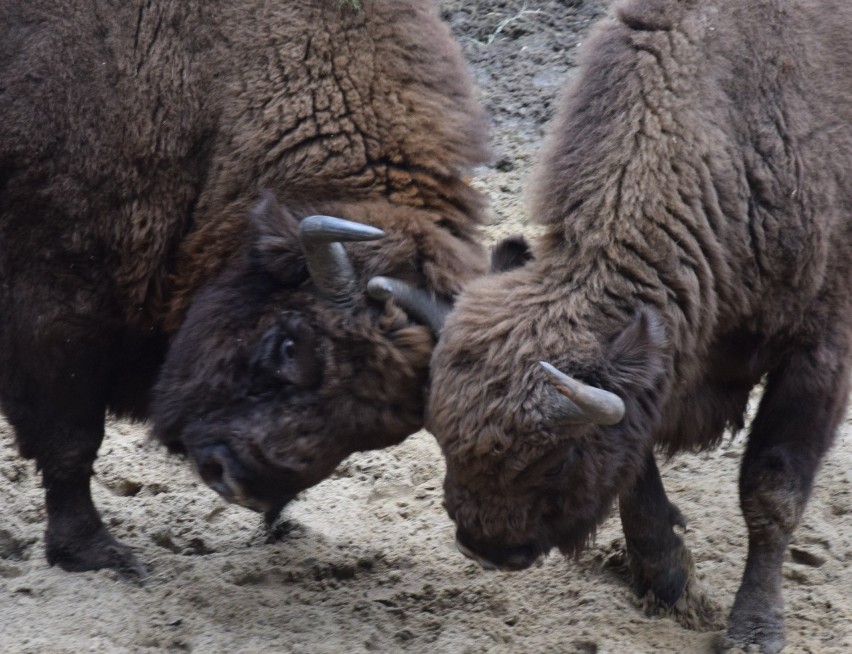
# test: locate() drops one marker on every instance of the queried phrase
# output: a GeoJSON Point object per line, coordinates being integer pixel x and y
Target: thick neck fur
{"type": "Point", "coordinates": [678, 175]}
{"type": "Point", "coordinates": [343, 118]}
{"type": "Point", "coordinates": [620, 190]}
{"type": "Point", "coordinates": [183, 113]}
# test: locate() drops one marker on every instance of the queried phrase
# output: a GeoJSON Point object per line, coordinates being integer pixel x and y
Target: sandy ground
{"type": "Point", "coordinates": [365, 561]}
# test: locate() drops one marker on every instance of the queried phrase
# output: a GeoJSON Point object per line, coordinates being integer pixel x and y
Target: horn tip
{"type": "Point", "coordinates": [551, 371]}
{"type": "Point", "coordinates": [380, 288]}
{"type": "Point", "coordinates": [332, 227]}
{"type": "Point", "coordinates": [368, 232]}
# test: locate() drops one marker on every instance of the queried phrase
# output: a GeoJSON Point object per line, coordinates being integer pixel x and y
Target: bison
{"type": "Point", "coordinates": [695, 195]}
{"type": "Point", "coordinates": [134, 142]}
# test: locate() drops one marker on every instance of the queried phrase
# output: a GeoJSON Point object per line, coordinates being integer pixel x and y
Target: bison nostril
{"type": "Point", "coordinates": [174, 446]}
{"type": "Point", "coordinates": [225, 473]}
{"type": "Point", "coordinates": [212, 464]}
{"type": "Point", "coordinates": [211, 472]}
{"type": "Point", "coordinates": [520, 557]}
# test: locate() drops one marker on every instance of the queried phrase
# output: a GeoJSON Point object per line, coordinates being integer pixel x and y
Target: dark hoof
{"type": "Point", "coordinates": [669, 588]}
{"type": "Point", "coordinates": [664, 575]}
{"type": "Point", "coordinates": [695, 609]}
{"type": "Point", "coordinates": [764, 634]}
{"type": "Point", "coordinates": [98, 552]}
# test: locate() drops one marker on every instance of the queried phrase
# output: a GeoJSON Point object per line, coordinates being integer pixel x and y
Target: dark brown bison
{"type": "Point", "coordinates": [134, 140]}
{"type": "Point", "coordinates": [696, 195]}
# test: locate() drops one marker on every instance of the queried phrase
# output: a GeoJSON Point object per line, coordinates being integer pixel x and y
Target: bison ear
{"type": "Point", "coordinates": [637, 353]}
{"type": "Point", "coordinates": [276, 244]}
{"type": "Point", "coordinates": [512, 252]}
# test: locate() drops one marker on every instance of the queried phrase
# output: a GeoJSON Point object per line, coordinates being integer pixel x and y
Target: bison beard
{"type": "Point", "coordinates": [695, 196]}
{"type": "Point", "coordinates": [133, 146]}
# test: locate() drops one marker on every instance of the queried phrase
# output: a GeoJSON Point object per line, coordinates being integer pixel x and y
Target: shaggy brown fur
{"type": "Point", "coordinates": [135, 138]}
{"type": "Point", "coordinates": [696, 194]}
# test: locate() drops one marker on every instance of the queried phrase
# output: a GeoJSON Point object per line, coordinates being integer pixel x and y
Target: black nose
{"type": "Point", "coordinates": [501, 557]}
{"type": "Point", "coordinates": [224, 473]}
{"type": "Point", "coordinates": [219, 470]}
{"type": "Point", "coordinates": [211, 463]}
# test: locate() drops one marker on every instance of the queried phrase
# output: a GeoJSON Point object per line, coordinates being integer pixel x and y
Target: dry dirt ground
{"type": "Point", "coordinates": [365, 561]}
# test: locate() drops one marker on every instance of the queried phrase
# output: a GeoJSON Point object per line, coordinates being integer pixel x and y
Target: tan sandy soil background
{"type": "Point", "coordinates": [365, 561]}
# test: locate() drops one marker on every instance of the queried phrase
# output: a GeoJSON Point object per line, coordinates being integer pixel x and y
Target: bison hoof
{"type": "Point", "coordinates": [668, 587]}
{"type": "Point", "coordinates": [764, 634]}
{"type": "Point", "coordinates": [663, 575]}
{"type": "Point", "coordinates": [695, 609]}
{"type": "Point", "coordinates": [97, 552]}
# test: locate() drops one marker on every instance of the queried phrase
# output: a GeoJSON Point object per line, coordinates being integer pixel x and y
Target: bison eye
{"type": "Point", "coordinates": [556, 470]}
{"type": "Point", "coordinates": [288, 352]}
{"type": "Point", "coordinates": [287, 349]}
{"type": "Point", "coordinates": [565, 464]}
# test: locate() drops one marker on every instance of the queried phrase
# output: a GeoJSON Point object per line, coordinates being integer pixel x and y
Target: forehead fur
{"type": "Point", "coordinates": [487, 363]}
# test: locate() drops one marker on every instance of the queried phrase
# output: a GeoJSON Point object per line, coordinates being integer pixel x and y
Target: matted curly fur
{"type": "Point", "coordinates": [135, 139]}
{"type": "Point", "coordinates": [696, 197]}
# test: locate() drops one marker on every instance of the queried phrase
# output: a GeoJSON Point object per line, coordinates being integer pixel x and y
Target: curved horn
{"type": "Point", "coordinates": [582, 403]}
{"type": "Point", "coordinates": [327, 260]}
{"type": "Point", "coordinates": [420, 304]}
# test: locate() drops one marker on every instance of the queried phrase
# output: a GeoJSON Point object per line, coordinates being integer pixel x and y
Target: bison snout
{"type": "Point", "coordinates": [507, 558]}
{"type": "Point", "coordinates": [220, 469]}
{"type": "Point", "coordinates": [224, 474]}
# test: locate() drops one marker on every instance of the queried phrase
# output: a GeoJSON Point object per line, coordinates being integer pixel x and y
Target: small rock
{"type": "Point", "coordinates": [11, 547]}
{"type": "Point", "coordinates": [157, 489]}
{"type": "Point", "coordinates": [10, 571]}
{"type": "Point", "coordinates": [806, 557]}
{"type": "Point", "coordinates": [197, 546]}
{"type": "Point", "coordinates": [164, 539]}
{"type": "Point", "coordinates": [798, 575]}
{"type": "Point", "coordinates": [586, 646]}
{"type": "Point", "coordinates": [504, 165]}
{"type": "Point", "coordinates": [342, 571]}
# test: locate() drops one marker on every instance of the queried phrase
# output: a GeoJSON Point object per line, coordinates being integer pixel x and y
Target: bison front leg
{"type": "Point", "coordinates": [58, 416]}
{"type": "Point", "coordinates": [76, 538]}
{"type": "Point", "coordinates": [658, 560]}
{"type": "Point", "coordinates": [660, 564]}
{"type": "Point", "coordinates": [795, 424]}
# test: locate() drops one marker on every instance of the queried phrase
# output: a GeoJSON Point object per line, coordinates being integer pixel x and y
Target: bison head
{"type": "Point", "coordinates": [535, 457]}
{"type": "Point", "coordinates": [284, 364]}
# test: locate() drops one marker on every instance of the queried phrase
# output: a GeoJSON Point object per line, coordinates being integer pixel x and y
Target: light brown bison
{"type": "Point", "coordinates": [134, 140]}
{"type": "Point", "coordinates": [696, 195]}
